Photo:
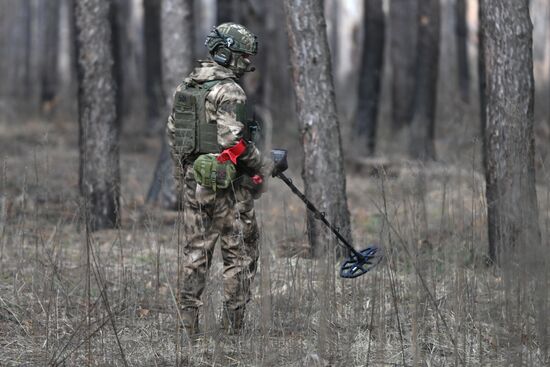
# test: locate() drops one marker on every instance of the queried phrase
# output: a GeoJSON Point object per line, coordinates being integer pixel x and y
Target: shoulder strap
{"type": "Point", "coordinates": [210, 84]}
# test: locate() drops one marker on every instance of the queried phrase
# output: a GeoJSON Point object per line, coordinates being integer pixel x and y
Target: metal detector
{"type": "Point", "coordinates": [358, 262]}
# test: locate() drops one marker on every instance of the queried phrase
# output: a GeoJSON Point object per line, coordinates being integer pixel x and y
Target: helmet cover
{"type": "Point", "coordinates": [235, 37]}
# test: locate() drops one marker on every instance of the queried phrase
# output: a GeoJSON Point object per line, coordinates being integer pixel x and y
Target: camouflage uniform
{"type": "Point", "coordinates": [227, 215]}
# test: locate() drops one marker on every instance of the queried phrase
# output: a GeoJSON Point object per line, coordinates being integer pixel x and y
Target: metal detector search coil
{"type": "Point", "coordinates": [359, 262]}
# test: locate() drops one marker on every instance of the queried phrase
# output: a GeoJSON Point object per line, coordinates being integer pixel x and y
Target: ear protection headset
{"type": "Point", "coordinates": [222, 53]}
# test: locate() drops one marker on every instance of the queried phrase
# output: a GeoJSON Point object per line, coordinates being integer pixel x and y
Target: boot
{"type": "Point", "coordinates": [232, 320]}
{"type": "Point", "coordinates": [190, 321]}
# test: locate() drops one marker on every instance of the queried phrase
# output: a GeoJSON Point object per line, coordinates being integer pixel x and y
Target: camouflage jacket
{"type": "Point", "coordinates": [221, 104]}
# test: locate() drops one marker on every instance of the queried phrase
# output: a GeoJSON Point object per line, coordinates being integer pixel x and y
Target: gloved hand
{"type": "Point", "coordinates": [257, 179]}
{"type": "Point", "coordinates": [260, 179]}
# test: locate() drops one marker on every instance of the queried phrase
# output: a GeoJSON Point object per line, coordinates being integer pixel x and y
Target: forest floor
{"type": "Point", "coordinates": [433, 301]}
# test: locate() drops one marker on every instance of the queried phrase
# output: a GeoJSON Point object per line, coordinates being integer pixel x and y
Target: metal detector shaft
{"type": "Point", "coordinates": [318, 215]}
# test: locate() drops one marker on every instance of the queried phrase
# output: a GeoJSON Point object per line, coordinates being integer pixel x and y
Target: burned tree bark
{"type": "Point", "coordinates": [153, 63]}
{"type": "Point", "coordinates": [421, 144]}
{"type": "Point", "coordinates": [461, 31]}
{"type": "Point", "coordinates": [371, 71]}
{"type": "Point", "coordinates": [177, 62]}
{"type": "Point", "coordinates": [98, 115]}
{"type": "Point", "coordinates": [323, 173]}
{"type": "Point", "coordinates": [510, 151]}
{"type": "Point", "coordinates": [404, 26]}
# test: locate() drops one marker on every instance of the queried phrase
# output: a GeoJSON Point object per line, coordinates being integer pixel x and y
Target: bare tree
{"type": "Point", "coordinates": [421, 144]}
{"type": "Point", "coordinates": [481, 83]}
{"type": "Point", "coordinates": [277, 87]}
{"type": "Point", "coordinates": [323, 174]}
{"type": "Point", "coordinates": [253, 16]}
{"type": "Point", "coordinates": [98, 117]}
{"type": "Point", "coordinates": [27, 24]}
{"type": "Point", "coordinates": [404, 26]}
{"type": "Point", "coordinates": [125, 47]}
{"type": "Point", "coordinates": [228, 11]}
{"type": "Point", "coordinates": [177, 62]}
{"type": "Point", "coordinates": [371, 71]}
{"type": "Point", "coordinates": [510, 151]}
{"type": "Point", "coordinates": [461, 30]}
{"type": "Point", "coordinates": [49, 72]}
{"type": "Point", "coordinates": [153, 63]}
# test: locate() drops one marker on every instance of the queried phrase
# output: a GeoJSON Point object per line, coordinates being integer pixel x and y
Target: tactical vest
{"type": "Point", "coordinates": [194, 135]}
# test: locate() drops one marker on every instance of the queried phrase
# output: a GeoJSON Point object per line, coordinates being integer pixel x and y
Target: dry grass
{"type": "Point", "coordinates": [432, 302]}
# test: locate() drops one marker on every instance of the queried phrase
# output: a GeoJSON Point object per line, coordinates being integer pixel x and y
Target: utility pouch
{"type": "Point", "coordinates": [211, 173]}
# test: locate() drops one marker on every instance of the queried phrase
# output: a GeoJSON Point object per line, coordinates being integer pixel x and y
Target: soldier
{"type": "Point", "coordinates": [220, 172]}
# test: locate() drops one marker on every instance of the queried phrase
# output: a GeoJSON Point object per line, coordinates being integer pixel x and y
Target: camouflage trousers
{"type": "Point", "coordinates": [227, 215]}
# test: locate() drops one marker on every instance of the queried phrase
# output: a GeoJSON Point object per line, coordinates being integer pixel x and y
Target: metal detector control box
{"type": "Point", "coordinates": [279, 158]}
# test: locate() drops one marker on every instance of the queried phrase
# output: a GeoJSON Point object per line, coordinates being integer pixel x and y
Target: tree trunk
{"type": "Point", "coordinates": [510, 172]}
{"type": "Point", "coordinates": [153, 64]}
{"type": "Point", "coordinates": [404, 26]}
{"type": "Point", "coordinates": [120, 45]}
{"type": "Point", "coordinates": [481, 84]}
{"type": "Point", "coordinates": [228, 11]}
{"type": "Point", "coordinates": [28, 18]}
{"type": "Point", "coordinates": [331, 11]}
{"type": "Point", "coordinates": [8, 65]}
{"type": "Point", "coordinates": [277, 80]}
{"type": "Point", "coordinates": [371, 74]}
{"type": "Point", "coordinates": [98, 119]}
{"type": "Point", "coordinates": [462, 50]}
{"type": "Point", "coordinates": [421, 144]}
{"type": "Point", "coordinates": [50, 53]}
{"type": "Point", "coordinates": [124, 48]}
{"type": "Point", "coordinates": [253, 16]}
{"type": "Point", "coordinates": [177, 63]}
{"type": "Point", "coordinates": [323, 173]}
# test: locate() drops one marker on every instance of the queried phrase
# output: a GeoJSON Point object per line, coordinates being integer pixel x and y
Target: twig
{"type": "Point", "coordinates": [103, 293]}
{"type": "Point", "coordinates": [390, 274]}
{"type": "Point", "coordinates": [14, 316]}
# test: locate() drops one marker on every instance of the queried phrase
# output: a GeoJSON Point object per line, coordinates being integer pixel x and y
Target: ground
{"type": "Point", "coordinates": [433, 301]}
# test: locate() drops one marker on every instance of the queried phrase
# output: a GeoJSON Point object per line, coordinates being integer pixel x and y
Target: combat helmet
{"type": "Point", "coordinates": [230, 44]}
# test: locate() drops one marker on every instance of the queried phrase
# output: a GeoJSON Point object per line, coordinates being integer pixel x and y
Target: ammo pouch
{"type": "Point", "coordinates": [211, 173]}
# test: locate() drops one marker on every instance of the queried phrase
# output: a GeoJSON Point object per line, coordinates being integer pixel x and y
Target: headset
{"type": "Point", "coordinates": [222, 53]}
